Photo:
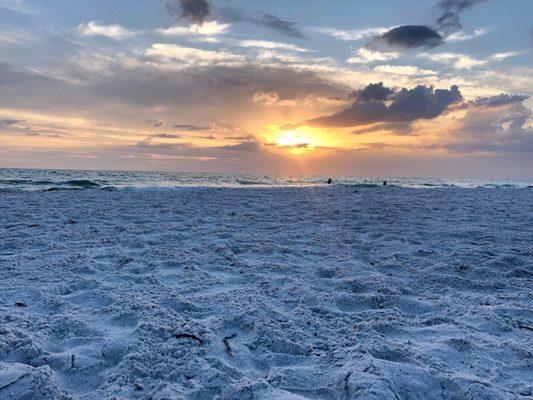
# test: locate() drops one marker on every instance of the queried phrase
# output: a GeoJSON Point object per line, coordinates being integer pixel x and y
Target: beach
{"type": "Point", "coordinates": [338, 292]}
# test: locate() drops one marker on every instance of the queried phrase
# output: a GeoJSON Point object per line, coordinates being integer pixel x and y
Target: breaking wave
{"type": "Point", "coordinates": [26, 179]}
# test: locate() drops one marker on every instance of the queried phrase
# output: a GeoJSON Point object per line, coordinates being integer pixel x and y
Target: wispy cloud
{"type": "Point", "coordinates": [407, 70]}
{"type": "Point", "coordinates": [265, 44]}
{"type": "Point", "coordinates": [8, 122]}
{"type": "Point", "coordinates": [352, 35]}
{"type": "Point", "coordinates": [463, 61]}
{"type": "Point", "coordinates": [506, 54]}
{"type": "Point", "coordinates": [448, 19]}
{"type": "Point", "coordinates": [192, 56]}
{"type": "Point", "coordinates": [210, 28]}
{"type": "Point", "coordinates": [364, 55]}
{"type": "Point", "coordinates": [461, 36]}
{"type": "Point", "coordinates": [20, 6]}
{"type": "Point", "coordinates": [289, 28]}
{"type": "Point", "coordinates": [15, 36]}
{"type": "Point", "coordinates": [97, 28]}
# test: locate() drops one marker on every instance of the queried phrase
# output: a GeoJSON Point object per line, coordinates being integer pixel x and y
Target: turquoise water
{"type": "Point", "coordinates": [47, 179]}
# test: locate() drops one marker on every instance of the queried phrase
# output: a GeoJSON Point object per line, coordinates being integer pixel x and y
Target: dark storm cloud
{"type": "Point", "coordinates": [374, 91]}
{"type": "Point", "coordinates": [499, 100]}
{"type": "Point", "coordinates": [195, 11]}
{"type": "Point", "coordinates": [417, 36]}
{"type": "Point", "coordinates": [448, 19]}
{"type": "Point", "coordinates": [410, 36]}
{"type": "Point", "coordinates": [405, 105]}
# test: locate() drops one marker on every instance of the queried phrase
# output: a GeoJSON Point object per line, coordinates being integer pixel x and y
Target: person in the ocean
{"type": "Point", "coordinates": [329, 181]}
{"type": "Point", "coordinates": [384, 183]}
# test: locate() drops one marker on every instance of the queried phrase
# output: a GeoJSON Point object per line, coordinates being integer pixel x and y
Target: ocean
{"type": "Point", "coordinates": [55, 179]}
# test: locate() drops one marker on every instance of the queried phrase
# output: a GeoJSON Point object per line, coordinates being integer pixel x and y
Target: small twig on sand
{"type": "Point", "coordinates": [226, 344]}
{"type": "Point", "coordinates": [20, 304]}
{"type": "Point", "coordinates": [346, 379]}
{"type": "Point", "coordinates": [528, 328]}
{"type": "Point", "coordinates": [189, 336]}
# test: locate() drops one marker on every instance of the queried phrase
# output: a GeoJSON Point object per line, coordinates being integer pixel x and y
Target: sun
{"type": "Point", "coordinates": [295, 142]}
{"type": "Point", "coordinates": [300, 140]}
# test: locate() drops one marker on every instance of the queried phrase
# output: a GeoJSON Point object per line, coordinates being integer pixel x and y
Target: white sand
{"type": "Point", "coordinates": [324, 293]}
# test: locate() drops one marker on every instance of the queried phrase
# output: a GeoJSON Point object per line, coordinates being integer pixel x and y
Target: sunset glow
{"type": "Point", "coordinates": [145, 87]}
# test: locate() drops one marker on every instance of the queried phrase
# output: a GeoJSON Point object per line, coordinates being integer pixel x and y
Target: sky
{"type": "Point", "coordinates": [436, 88]}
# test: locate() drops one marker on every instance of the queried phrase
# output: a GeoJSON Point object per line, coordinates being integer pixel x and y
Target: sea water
{"type": "Point", "coordinates": [52, 179]}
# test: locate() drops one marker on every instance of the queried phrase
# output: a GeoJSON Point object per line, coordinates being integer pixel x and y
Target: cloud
{"type": "Point", "coordinates": [372, 92]}
{"type": "Point", "coordinates": [265, 44]}
{"type": "Point", "coordinates": [463, 61]}
{"type": "Point", "coordinates": [252, 146]}
{"type": "Point", "coordinates": [410, 37]}
{"type": "Point", "coordinates": [447, 26]}
{"type": "Point", "coordinates": [7, 122]}
{"type": "Point", "coordinates": [499, 100]}
{"type": "Point", "coordinates": [191, 128]}
{"type": "Point", "coordinates": [460, 36]}
{"type": "Point", "coordinates": [15, 37]}
{"type": "Point", "coordinates": [209, 137]}
{"type": "Point", "coordinates": [166, 136]}
{"type": "Point", "coordinates": [156, 123]}
{"type": "Point", "coordinates": [295, 146]}
{"type": "Point", "coordinates": [285, 27]}
{"type": "Point", "coordinates": [351, 35]}
{"type": "Point", "coordinates": [268, 98]}
{"type": "Point", "coordinates": [96, 28]}
{"type": "Point", "coordinates": [365, 55]}
{"type": "Point", "coordinates": [448, 19]}
{"type": "Point", "coordinates": [195, 11]}
{"type": "Point", "coordinates": [406, 70]}
{"type": "Point", "coordinates": [510, 129]}
{"type": "Point", "coordinates": [377, 104]}
{"type": "Point", "coordinates": [149, 142]}
{"type": "Point", "coordinates": [209, 28]}
{"type": "Point", "coordinates": [189, 56]}
{"type": "Point", "coordinates": [398, 128]}
{"type": "Point", "coordinates": [458, 61]}
{"type": "Point", "coordinates": [20, 6]}
{"type": "Point", "coordinates": [244, 138]}
{"type": "Point", "coordinates": [506, 54]}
